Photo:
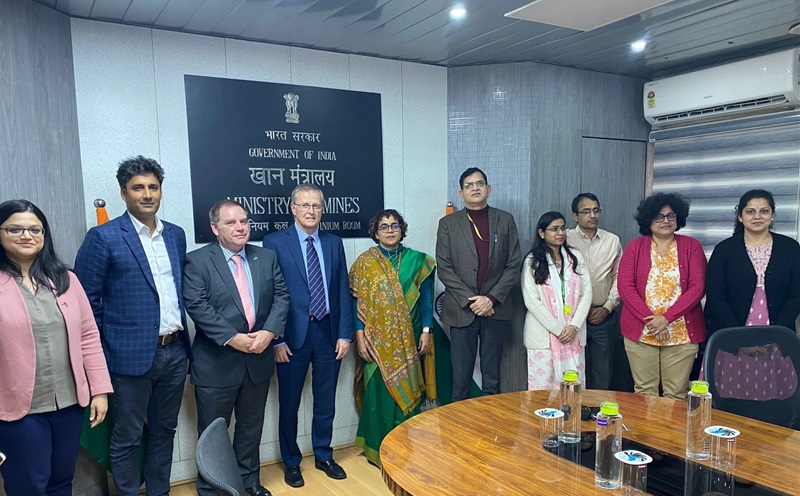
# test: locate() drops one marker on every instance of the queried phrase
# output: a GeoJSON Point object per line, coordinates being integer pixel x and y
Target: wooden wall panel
{"type": "Point", "coordinates": [39, 147]}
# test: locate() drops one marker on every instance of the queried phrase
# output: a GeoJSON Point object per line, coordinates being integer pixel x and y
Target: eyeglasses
{"type": "Point", "coordinates": [556, 229]}
{"type": "Point", "coordinates": [305, 207]}
{"type": "Point", "coordinates": [588, 211]}
{"type": "Point", "coordinates": [475, 185]}
{"type": "Point", "coordinates": [16, 231]}
{"type": "Point", "coordinates": [669, 217]}
{"type": "Point", "coordinates": [393, 226]}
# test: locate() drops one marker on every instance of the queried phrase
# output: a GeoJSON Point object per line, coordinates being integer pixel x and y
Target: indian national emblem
{"type": "Point", "coordinates": [292, 117]}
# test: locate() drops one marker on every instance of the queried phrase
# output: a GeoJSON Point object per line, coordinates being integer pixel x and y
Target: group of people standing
{"type": "Point", "coordinates": [118, 323]}
{"type": "Point", "coordinates": [752, 278]}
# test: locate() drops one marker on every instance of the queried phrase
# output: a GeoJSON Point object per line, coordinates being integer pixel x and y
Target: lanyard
{"type": "Point", "coordinates": [475, 227]}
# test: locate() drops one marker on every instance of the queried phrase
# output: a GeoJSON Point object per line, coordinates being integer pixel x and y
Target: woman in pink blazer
{"type": "Point", "coordinates": [661, 282]}
{"type": "Point", "coordinates": [51, 362]}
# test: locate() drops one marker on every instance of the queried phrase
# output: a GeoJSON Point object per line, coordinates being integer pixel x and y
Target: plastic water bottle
{"type": "Point", "coordinates": [698, 417]}
{"type": "Point", "coordinates": [608, 444]}
{"type": "Point", "coordinates": [571, 406]}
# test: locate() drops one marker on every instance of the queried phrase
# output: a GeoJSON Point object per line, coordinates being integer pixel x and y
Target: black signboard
{"type": "Point", "coordinates": [254, 142]}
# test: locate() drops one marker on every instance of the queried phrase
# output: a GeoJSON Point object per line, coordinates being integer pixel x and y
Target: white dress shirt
{"type": "Point", "coordinates": [157, 257]}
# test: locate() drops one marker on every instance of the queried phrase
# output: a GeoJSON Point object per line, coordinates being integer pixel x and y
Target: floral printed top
{"type": "Point", "coordinates": [662, 291]}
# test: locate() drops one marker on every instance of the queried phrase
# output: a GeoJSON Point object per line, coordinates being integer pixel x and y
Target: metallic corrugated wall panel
{"type": "Point", "coordinates": [714, 170]}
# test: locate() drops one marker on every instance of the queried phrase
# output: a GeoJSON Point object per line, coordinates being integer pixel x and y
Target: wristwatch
{"type": "Point", "coordinates": [426, 330]}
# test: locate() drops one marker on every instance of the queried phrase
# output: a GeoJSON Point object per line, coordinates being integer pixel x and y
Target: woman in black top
{"type": "Point", "coordinates": [753, 277]}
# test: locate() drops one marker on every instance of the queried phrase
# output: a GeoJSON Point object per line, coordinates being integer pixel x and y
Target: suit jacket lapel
{"type": "Point", "coordinates": [255, 273]}
{"type": "Point", "coordinates": [295, 249]}
{"type": "Point", "coordinates": [131, 237]}
{"type": "Point", "coordinates": [492, 231]}
{"type": "Point", "coordinates": [218, 259]}
{"type": "Point", "coordinates": [174, 260]}
{"type": "Point", "coordinates": [327, 253]}
{"type": "Point", "coordinates": [466, 226]}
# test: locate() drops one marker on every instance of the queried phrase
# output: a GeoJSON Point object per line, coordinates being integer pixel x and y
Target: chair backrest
{"type": "Point", "coordinates": [753, 371]}
{"type": "Point", "coordinates": [216, 462]}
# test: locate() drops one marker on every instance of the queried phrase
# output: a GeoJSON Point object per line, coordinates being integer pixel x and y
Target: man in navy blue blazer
{"type": "Point", "coordinates": [319, 329]}
{"type": "Point", "coordinates": [132, 271]}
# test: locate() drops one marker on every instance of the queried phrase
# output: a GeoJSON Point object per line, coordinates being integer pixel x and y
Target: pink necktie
{"type": "Point", "coordinates": [244, 292]}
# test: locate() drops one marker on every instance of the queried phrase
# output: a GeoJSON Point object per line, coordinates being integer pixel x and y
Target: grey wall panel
{"type": "Point", "coordinates": [616, 112]}
{"type": "Point", "coordinates": [618, 182]}
{"type": "Point", "coordinates": [556, 139]}
{"type": "Point", "coordinates": [524, 124]}
{"type": "Point", "coordinates": [39, 148]}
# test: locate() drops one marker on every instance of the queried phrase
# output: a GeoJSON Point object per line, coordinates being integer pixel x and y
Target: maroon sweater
{"type": "Point", "coordinates": [480, 220]}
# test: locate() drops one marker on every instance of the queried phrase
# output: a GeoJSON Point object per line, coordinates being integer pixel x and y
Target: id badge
{"type": "Point", "coordinates": [567, 309]}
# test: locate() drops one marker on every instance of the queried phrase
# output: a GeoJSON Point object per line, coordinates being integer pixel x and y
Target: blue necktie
{"type": "Point", "coordinates": [315, 287]}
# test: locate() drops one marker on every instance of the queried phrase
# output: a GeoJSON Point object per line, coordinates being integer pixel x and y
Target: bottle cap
{"type": "Point", "coordinates": [571, 375]}
{"type": "Point", "coordinates": [609, 408]}
{"type": "Point", "coordinates": [699, 387]}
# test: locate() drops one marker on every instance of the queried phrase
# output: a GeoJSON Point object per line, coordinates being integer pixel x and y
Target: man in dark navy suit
{"type": "Point", "coordinates": [132, 271]}
{"type": "Point", "coordinates": [318, 330]}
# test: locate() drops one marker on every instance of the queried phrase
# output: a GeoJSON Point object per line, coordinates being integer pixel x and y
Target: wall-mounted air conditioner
{"type": "Point", "coordinates": [766, 83]}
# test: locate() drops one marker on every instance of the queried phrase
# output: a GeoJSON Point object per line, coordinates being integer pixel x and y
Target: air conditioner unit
{"type": "Point", "coordinates": [761, 84]}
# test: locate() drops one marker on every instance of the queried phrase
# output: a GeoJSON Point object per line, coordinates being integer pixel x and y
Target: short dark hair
{"type": "Point", "coordinates": [46, 266]}
{"type": "Point", "coordinates": [540, 249]}
{"type": "Point", "coordinates": [138, 166]}
{"type": "Point", "coordinates": [738, 227]}
{"type": "Point", "coordinates": [469, 172]}
{"type": "Point", "coordinates": [213, 214]}
{"type": "Point", "coordinates": [650, 207]}
{"type": "Point", "coordinates": [577, 200]}
{"type": "Point", "coordinates": [374, 223]}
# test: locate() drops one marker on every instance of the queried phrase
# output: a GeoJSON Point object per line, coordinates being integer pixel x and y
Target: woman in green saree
{"type": "Point", "coordinates": [392, 287]}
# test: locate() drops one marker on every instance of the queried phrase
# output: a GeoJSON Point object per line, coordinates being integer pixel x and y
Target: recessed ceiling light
{"type": "Point", "coordinates": [458, 13]}
{"type": "Point", "coordinates": [795, 29]}
{"type": "Point", "coordinates": [638, 45]}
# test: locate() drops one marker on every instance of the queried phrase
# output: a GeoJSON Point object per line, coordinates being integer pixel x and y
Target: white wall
{"type": "Point", "coordinates": [129, 87]}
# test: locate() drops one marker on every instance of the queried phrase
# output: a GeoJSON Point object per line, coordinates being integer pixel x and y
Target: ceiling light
{"type": "Point", "coordinates": [638, 45]}
{"type": "Point", "coordinates": [458, 13]}
{"type": "Point", "coordinates": [795, 29]}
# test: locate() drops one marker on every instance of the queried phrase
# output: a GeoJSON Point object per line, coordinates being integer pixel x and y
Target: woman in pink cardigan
{"type": "Point", "coordinates": [661, 282]}
{"type": "Point", "coordinates": [51, 362]}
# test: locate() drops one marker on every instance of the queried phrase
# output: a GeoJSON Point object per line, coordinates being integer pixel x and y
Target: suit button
{"type": "Point", "coordinates": [155, 326]}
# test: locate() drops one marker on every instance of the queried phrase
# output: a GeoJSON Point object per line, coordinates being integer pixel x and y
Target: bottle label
{"type": "Point", "coordinates": [602, 422]}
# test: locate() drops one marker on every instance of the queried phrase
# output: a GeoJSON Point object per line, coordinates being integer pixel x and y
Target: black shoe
{"type": "Point", "coordinates": [257, 491]}
{"type": "Point", "coordinates": [293, 477]}
{"type": "Point", "coordinates": [331, 469]}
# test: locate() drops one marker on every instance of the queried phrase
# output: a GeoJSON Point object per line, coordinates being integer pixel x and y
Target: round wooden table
{"type": "Point", "coordinates": [490, 446]}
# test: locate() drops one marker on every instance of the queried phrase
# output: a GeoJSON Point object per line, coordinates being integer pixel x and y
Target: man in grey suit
{"type": "Point", "coordinates": [237, 298]}
{"type": "Point", "coordinates": [478, 258]}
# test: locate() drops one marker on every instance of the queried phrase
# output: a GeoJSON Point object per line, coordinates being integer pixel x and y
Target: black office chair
{"type": "Point", "coordinates": [216, 462]}
{"type": "Point", "coordinates": [753, 372]}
